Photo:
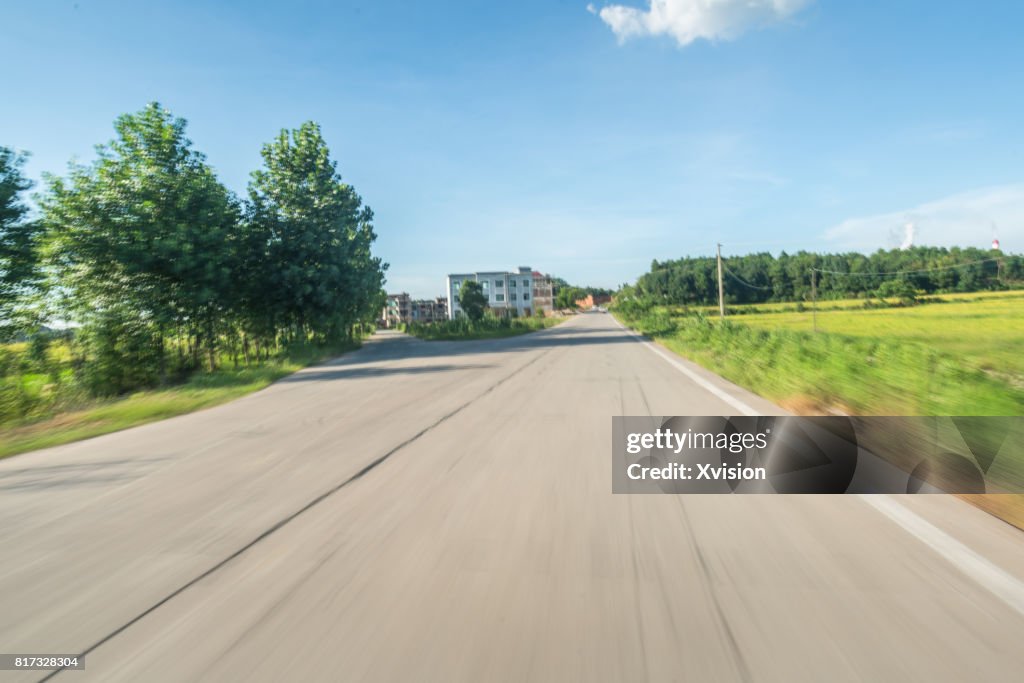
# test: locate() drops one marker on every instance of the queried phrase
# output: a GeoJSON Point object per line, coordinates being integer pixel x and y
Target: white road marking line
{"type": "Point", "coordinates": [1001, 584]}
{"type": "Point", "coordinates": [731, 400]}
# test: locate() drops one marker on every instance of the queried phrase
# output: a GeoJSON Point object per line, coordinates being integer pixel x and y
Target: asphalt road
{"type": "Point", "coordinates": [443, 512]}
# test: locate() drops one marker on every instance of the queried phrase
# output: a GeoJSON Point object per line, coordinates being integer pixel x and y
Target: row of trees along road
{"type": "Point", "coordinates": [19, 238]}
{"type": "Point", "coordinates": [162, 271]}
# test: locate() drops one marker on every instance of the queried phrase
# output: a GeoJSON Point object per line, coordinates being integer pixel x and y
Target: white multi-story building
{"type": "Point", "coordinates": [506, 292]}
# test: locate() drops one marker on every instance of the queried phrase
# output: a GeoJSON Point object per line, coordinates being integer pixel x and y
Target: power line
{"type": "Point", "coordinates": [736, 277]}
{"type": "Point", "coordinates": [995, 259]}
{"type": "Point", "coordinates": [783, 245]}
{"type": "Point", "coordinates": [913, 272]}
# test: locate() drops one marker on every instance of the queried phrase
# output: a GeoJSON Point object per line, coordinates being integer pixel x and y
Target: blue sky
{"type": "Point", "coordinates": [583, 142]}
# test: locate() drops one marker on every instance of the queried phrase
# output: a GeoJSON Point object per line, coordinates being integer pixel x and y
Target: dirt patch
{"type": "Point", "coordinates": [802, 405]}
{"type": "Point", "coordinates": [1007, 507]}
{"type": "Point", "coordinates": [59, 422]}
{"type": "Point", "coordinates": [807, 406]}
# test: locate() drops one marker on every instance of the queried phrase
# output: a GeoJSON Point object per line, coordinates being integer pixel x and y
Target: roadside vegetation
{"type": "Point", "coordinates": [169, 292]}
{"type": "Point", "coordinates": [473, 301]}
{"type": "Point", "coordinates": [982, 329]}
{"type": "Point", "coordinates": [487, 327]}
{"type": "Point", "coordinates": [60, 412]}
{"type": "Point", "coordinates": [931, 359]}
{"type": "Point", "coordinates": [940, 354]}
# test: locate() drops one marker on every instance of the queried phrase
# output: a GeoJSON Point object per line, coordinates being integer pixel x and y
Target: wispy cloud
{"type": "Point", "coordinates": [963, 219]}
{"type": "Point", "coordinates": [690, 20]}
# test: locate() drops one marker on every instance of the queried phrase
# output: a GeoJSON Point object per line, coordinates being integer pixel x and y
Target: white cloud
{"type": "Point", "coordinates": [688, 20]}
{"type": "Point", "coordinates": [967, 219]}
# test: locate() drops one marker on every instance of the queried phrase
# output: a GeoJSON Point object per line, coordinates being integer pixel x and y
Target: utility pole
{"type": "Point", "coordinates": [721, 288]}
{"type": "Point", "coordinates": [814, 298]}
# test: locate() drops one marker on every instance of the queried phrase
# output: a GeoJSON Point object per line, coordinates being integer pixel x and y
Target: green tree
{"type": "Point", "coordinates": [472, 300]}
{"type": "Point", "coordinates": [898, 289]}
{"type": "Point", "coordinates": [567, 297]}
{"type": "Point", "coordinates": [19, 237]}
{"type": "Point", "coordinates": [143, 236]}
{"type": "Point", "coordinates": [762, 277]}
{"type": "Point", "coordinates": [315, 235]}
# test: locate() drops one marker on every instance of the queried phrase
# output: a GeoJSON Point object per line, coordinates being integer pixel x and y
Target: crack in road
{"type": "Point", "coordinates": [294, 515]}
{"type": "Point", "coordinates": [743, 669]}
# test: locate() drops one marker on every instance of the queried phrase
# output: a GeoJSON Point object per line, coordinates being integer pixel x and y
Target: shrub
{"type": "Point", "coordinates": [124, 354]}
{"type": "Point", "coordinates": [898, 289]}
{"type": "Point", "coordinates": [38, 351]}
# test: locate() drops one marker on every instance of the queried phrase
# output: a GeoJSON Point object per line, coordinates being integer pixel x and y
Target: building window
{"type": "Point", "coordinates": [511, 283]}
{"type": "Point", "coordinates": [483, 285]}
{"type": "Point", "coordinates": [499, 284]}
{"type": "Point", "coordinates": [500, 297]}
{"type": "Point", "coordinates": [526, 296]}
{"type": "Point", "coordinates": [513, 296]}
{"type": "Point", "coordinates": [526, 283]}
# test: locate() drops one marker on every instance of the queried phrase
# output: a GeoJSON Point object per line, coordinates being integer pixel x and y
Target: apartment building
{"type": "Point", "coordinates": [401, 308]}
{"type": "Point", "coordinates": [427, 311]}
{"type": "Point", "coordinates": [543, 292]}
{"type": "Point", "coordinates": [507, 292]}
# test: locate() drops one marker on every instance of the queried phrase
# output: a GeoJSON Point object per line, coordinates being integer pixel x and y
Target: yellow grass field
{"type": "Point", "coordinates": [984, 329]}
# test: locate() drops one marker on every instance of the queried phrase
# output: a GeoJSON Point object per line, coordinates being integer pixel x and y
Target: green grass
{"type": "Point", "coordinates": [858, 304]}
{"type": "Point", "coordinates": [202, 390]}
{"type": "Point", "coordinates": [953, 355]}
{"type": "Point", "coordinates": [956, 358]}
{"type": "Point", "coordinates": [488, 328]}
{"type": "Point", "coordinates": [982, 330]}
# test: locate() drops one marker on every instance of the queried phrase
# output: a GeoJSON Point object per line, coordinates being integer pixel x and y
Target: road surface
{"type": "Point", "coordinates": [443, 512]}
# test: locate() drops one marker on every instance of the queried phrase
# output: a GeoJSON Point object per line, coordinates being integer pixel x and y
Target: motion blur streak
{"type": "Point", "coordinates": [1010, 589]}
{"type": "Point", "coordinates": [487, 545]}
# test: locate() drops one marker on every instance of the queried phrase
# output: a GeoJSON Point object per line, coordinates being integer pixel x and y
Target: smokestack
{"type": "Point", "coordinates": [908, 236]}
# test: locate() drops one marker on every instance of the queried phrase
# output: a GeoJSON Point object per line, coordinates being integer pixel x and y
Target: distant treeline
{"type": "Point", "coordinates": [567, 295]}
{"type": "Point", "coordinates": [759, 278]}
{"type": "Point", "coordinates": [560, 284]}
{"type": "Point", "coordinates": [160, 270]}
